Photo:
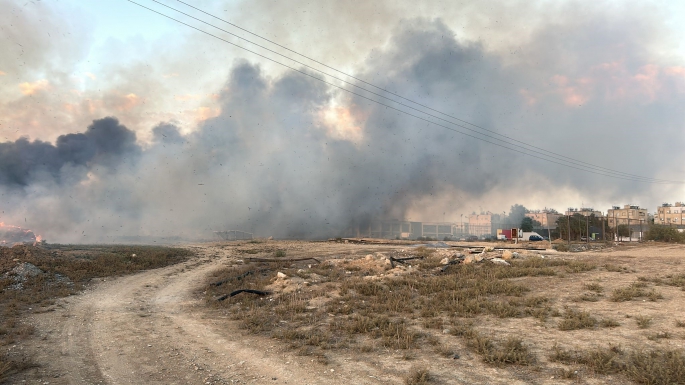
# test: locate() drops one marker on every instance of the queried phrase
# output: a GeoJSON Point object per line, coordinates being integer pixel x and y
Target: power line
{"type": "Point", "coordinates": [534, 149]}
{"type": "Point", "coordinates": [380, 88]}
{"type": "Point", "coordinates": [608, 173]}
{"type": "Point", "coordinates": [568, 159]}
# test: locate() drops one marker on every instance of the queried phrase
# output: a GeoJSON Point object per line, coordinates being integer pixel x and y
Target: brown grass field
{"type": "Point", "coordinates": [613, 315]}
{"type": "Point", "coordinates": [387, 312]}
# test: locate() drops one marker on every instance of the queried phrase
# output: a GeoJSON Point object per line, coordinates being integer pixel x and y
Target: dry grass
{"type": "Point", "coordinates": [643, 367]}
{"type": "Point", "coordinates": [643, 322]}
{"type": "Point", "coordinates": [511, 351]}
{"type": "Point", "coordinates": [677, 280]}
{"type": "Point", "coordinates": [431, 311]}
{"type": "Point", "coordinates": [635, 290]}
{"type": "Point", "coordinates": [576, 319]}
{"type": "Point", "coordinates": [597, 288]}
{"type": "Point", "coordinates": [65, 271]}
{"type": "Point", "coordinates": [418, 376]}
{"type": "Point", "coordinates": [395, 312]}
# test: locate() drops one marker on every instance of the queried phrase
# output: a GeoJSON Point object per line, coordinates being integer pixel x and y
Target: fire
{"type": "Point", "coordinates": [12, 235]}
{"type": "Point", "coordinates": [342, 123]}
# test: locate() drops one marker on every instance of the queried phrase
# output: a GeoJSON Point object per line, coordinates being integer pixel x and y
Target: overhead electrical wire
{"type": "Point", "coordinates": [581, 166]}
{"type": "Point", "coordinates": [380, 88]}
{"type": "Point", "coordinates": [532, 148]}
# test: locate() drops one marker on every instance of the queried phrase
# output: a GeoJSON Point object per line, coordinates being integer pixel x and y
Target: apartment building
{"type": "Point", "coordinates": [584, 211]}
{"type": "Point", "coordinates": [671, 215]}
{"type": "Point", "coordinates": [628, 215]}
{"type": "Point", "coordinates": [484, 224]}
{"type": "Point", "coordinates": [545, 218]}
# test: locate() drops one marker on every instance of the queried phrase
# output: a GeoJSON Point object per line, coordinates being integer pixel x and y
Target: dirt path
{"type": "Point", "coordinates": [147, 328]}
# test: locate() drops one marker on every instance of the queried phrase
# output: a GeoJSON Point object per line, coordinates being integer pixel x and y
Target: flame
{"type": "Point", "coordinates": [13, 235]}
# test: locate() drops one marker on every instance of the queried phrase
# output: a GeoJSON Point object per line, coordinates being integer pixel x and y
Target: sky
{"type": "Point", "coordinates": [115, 121]}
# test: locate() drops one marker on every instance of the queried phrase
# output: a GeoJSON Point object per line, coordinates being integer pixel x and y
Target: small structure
{"type": "Point", "coordinates": [233, 235]}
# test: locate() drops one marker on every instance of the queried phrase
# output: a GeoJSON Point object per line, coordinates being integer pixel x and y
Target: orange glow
{"type": "Point", "coordinates": [16, 235]}
{"type": "Point", "coordinates": [649, 81]}
{"type": "Point", "coordinates": [32, 88]}
{"type": "Point", "coordinates": [130, 101]}
{"type": "Point", "coordinates": [3, 73]}
{"type": "Point", "coordinates": [675, 71]}
{"type": "Point", "coordinates": [528, 97]}
{"type": "Point", "coordinates": [573, 98]}
{"type": "Point", "coordinates": [341, 123]}
{"type": "Point", "coordinates": [571, 91]}
{"type": "Point", "coordinates": [204, 113]}
{"type": "Point", "coordinates": [185, 98]}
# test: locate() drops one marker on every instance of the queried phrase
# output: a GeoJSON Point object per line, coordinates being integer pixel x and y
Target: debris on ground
{"type": "Point", "coordinates": [21, 273]}
{"type": "Point", "coordinates": [500, 261]}
{"type": "Point", "coordinates": [236, 292]}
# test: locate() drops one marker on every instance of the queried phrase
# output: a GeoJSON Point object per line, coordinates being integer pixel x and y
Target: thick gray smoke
{"type": "Point", "coordinates": [274, 162]}
{"type": "Point", "coordinates": [104, 143]}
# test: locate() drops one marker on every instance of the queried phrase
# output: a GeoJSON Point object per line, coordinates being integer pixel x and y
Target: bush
{"type": "Point", "coordinates": [418, 376]}
{"type": "Point", "coordinates": [561, 247]}
{"type": "Point", "coordinates": [664, 233]}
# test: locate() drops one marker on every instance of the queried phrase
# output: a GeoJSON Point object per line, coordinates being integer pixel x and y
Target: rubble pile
{"type": "Point", "coordinates": [21, 273]}
{"type": "Point", "coordinates": [486, 254]}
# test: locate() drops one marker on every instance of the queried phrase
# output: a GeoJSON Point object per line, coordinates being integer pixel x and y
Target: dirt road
{"type": "Point", "coordinates": [149, 328]}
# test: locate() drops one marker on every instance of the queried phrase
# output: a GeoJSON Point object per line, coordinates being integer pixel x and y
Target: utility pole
{"type": "Point", "coordinates": [549, 235]}
{"type": "Point", "coordinates": [604, 233]}
{"type": "Point", "coordinates": [630, 231]}
{"type": "Point", "coordinates": [569, 228]}
{"type": "Point", "coordinates": [587, 230]}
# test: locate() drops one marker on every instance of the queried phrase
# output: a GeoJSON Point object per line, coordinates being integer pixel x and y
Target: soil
{"type": "Point", "coordinates": [154, 327]}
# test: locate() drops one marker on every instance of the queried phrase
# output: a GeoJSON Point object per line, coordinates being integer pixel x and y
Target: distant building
{"type": "Point", "coordinates": [628, 215]}
{"type": "Point", "coordinates": [484, 224]}
{"type": "Point", "coordinates": [393, 229]}
{"type": "Point", "coordinates": [544, 217]}
{"type": "Point", "coordinates": [584, 211]}
{"type": "Point", "coordinates": [671, 215]}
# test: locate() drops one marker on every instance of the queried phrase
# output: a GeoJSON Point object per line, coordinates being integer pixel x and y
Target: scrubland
{"type": "Point", "coordinates": [610, 315]}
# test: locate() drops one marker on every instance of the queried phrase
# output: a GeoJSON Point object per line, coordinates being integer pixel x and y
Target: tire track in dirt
{"type": "Point", "coordinates": [150, 328]}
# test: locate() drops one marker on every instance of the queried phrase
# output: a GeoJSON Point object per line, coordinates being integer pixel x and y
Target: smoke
{"type": "Point", "coordinates": [103, 144]}
{"type": "Point", "coordinates": [289, 156]}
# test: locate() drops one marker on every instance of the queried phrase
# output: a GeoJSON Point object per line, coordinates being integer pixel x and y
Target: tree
{"type": "Point", "coordinates": [623, 230]}
{"type": "Point", "coordinates": [527, 224]}
{"type": "Point", "coordinates": [664, 234]}
{"type": "Point", "coordinates": [579, 224]}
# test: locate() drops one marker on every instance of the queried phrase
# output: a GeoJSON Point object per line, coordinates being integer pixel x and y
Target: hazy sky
{"type": "Point", "coordinates": [602, 82]}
